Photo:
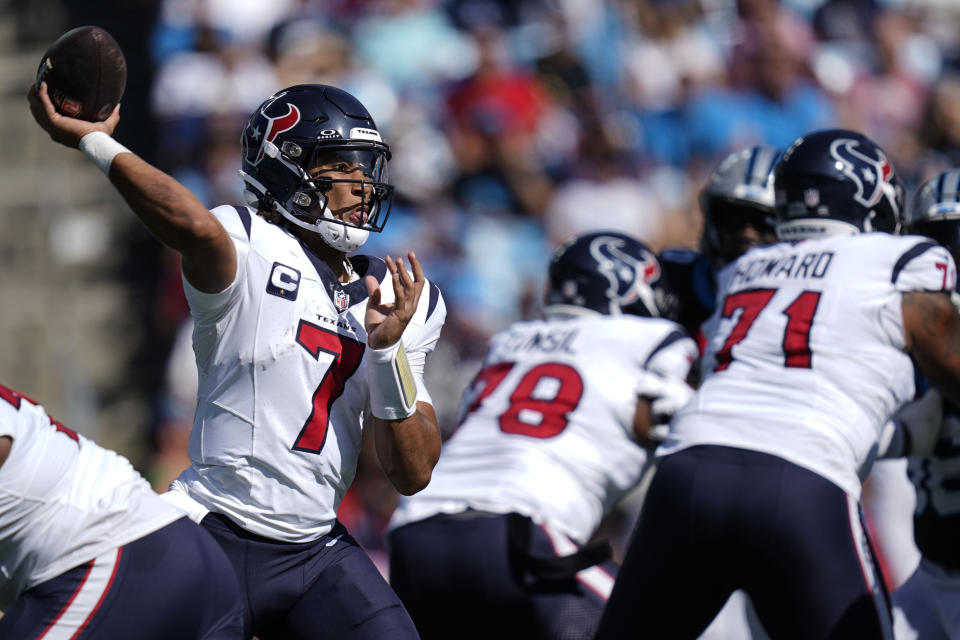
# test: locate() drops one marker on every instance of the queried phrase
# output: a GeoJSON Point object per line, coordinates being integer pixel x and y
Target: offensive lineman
{"type": "Point", "coordinates": [297, 346]}
{"type": "Point", "coordinates": [808, 358]}
{"type": "Point", "coordinates": [88, 550]}
{"type": "Point", "coordinates": [552, 436]}
{"type": "Point", "coordinates": [927, 605]}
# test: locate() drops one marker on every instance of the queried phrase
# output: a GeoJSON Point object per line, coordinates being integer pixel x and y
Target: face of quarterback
{"type": "Point", "coordinates": [350, 196]}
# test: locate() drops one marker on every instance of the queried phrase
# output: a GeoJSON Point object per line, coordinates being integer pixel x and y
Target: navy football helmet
{"type": "Point", "coordinates": [737, 204]}
{"type": "Point", "coordinates": [835, 181]}
{"type": "Point", "coordinates": [935, 211]}
{"type": "Point", "coordinates": [300, 128]}
{"type": "Point", "coordinates": [610, 273]}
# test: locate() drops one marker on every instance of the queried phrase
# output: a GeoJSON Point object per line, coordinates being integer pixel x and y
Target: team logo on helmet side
{"type": "Point", "coordinates": [625, 273]}
{"type": "Point", "coordinates": [274, 127]}
{"type": "Point", "coordinates": [871, 175]}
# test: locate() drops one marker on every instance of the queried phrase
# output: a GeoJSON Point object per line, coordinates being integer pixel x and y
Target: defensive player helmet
{"type": "Point", "coordinates": [935, 210]}
{"type": "Point", "coordinates": [835, 182]}
{"type": "Point", "coordinates": [298, 129]}
{"type": "Point", "coordinates": [737, 204]}
{"type": "Point", "coordinates": [610, 273]}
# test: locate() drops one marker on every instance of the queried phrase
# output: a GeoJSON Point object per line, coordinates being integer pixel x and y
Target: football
{"type": "Point", "coordinates": [85, 72]}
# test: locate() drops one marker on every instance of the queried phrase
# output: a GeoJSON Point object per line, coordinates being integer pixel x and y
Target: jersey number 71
{"type": "Point", "coordinates": [796, 336]}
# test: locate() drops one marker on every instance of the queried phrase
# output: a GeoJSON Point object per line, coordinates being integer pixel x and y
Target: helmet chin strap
{"type": "Point", "coordinates": [335, 234]}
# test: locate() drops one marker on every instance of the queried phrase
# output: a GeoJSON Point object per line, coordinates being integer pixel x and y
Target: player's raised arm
{"type": "Point", "coordinates": [167, 208]}
{"type": "Point", "coordinates": [406, 433]}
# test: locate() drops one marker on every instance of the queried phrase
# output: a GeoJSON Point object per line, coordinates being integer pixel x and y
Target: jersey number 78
{"type": "Point", "coordinates": [529, 413]}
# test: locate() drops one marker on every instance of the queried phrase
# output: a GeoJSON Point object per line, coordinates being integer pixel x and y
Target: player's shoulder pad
{"type": "Point", "coordinates": [922, 265]}
{"type": "Point", "coordinates": [17, 412]}
{"type": "Point", "coordinates": [431, 300]}
{"type": "Point", "coordinates": [237, 220]}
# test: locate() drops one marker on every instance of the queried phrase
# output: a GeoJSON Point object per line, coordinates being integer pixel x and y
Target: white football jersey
{"type": "Point", "coordinates": [547, 426]}
{"type": "Point", "coordinates": [64, 500]}
{"type": "Point", "coordinates": [283, 383]}
{"type": "Point", "coordinates": [805, 353]}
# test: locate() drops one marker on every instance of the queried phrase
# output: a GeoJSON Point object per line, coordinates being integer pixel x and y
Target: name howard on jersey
{"type": "Point", "coordinates": [807, 265]}
{"type": "Point", "coordinates": [557, 340]}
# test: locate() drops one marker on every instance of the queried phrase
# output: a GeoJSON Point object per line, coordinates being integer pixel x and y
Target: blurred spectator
{"type": "Point", "coordinates": [939, 133]}
{"type": "Point", "coordinates": [495, 116]}
{"type": "Point", "coordinates": [605, 192]}
{"type": "Point", "coordinates": [889, 100]}
{"type": "Point", "coordinates": [413, 44]}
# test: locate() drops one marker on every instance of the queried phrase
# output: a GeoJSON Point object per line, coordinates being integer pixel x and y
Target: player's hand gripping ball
{"type": "Point", "coordinates": [85, 72]}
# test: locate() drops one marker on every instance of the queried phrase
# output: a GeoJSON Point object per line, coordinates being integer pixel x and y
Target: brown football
{"type": "Point", "coordinates": [85, 72]}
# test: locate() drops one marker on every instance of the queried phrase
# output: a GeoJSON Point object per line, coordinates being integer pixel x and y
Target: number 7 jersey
{"type": "Point", "coordinates": [283, 391]}
{"type": "Point", "coordinates": [805, 354]}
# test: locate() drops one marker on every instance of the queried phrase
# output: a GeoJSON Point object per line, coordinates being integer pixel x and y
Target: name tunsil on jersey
{"type": "Point", "coordinates": [809, 265]}
{"type": "Point", "coordinates": [544, 341]}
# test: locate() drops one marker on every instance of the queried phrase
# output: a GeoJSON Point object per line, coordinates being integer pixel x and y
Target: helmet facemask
{"type": "Point", "coordinates": [343, 197]}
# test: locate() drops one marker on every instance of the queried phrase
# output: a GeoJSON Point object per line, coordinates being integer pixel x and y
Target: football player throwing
{"type": "Point", "coordinates": [298, 345]}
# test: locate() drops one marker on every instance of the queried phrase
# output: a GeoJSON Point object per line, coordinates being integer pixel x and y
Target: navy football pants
{"type": "Point", "coordinates": [717, 519]}
{"type": "Point", "coordinates": [173, 583]}
{"type": "Point", "coordinates": [460, 577]}
{"type": "Point", "coordinates": [327, 589]}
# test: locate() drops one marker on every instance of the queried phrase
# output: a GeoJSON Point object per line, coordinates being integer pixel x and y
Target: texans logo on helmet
{"type": "Point", "coordinates": [623, 271]}
{"type": "Point", "coordinates": [275, 126]}
{"type": "Point", "coordinates": [869, 174]}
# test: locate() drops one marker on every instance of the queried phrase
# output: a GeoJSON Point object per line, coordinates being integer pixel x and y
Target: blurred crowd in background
{"type": "Point", "coordinates": [514, 125]}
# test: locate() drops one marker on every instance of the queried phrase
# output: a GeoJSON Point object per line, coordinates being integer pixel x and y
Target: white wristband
{"type": "Point", "coordinates": [393, 393]}
{"type": "Point", "coordinates": [101, 149]}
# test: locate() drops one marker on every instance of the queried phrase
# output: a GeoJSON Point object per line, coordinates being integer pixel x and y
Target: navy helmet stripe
{"type": "Point", "coordinates": [244, 214]}
{"type": "Point", "coordinates": [751, 177]}
{"type": "Point", "coordinates": [955, 191]}
{"type": "Point", "coordinates": [940, 181]}
{"type": "Point", "coordinates": [910, 254]}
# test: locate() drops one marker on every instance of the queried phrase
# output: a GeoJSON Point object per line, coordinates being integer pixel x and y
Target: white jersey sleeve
{"type": "Point", "coordinates": [547, 427]}
{"type": "Point", "coordinates": [805, 354]}
{"type": "Point", "coordinates": [64, 500]}
{"type": "Point", "coordinates": [236, 222]}
{"type": "Point", "coordinates": [283, 392]}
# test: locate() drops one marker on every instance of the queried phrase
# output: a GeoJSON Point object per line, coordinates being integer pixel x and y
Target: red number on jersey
{"type": "Point", "coordinates": [942, 266]}
{"type": "Point", "coordinates": [526, 403]}
{"type": "Point", "coordinates": [752, 302]}
{"type": "Point", "coordinates": [347, 356]}
{"type": "Point", "coordinates": [485, 382]}
{"type": "Point", "coordinates": [14, 398]}
{"type": "Point", "coordinates": [796, 336]}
